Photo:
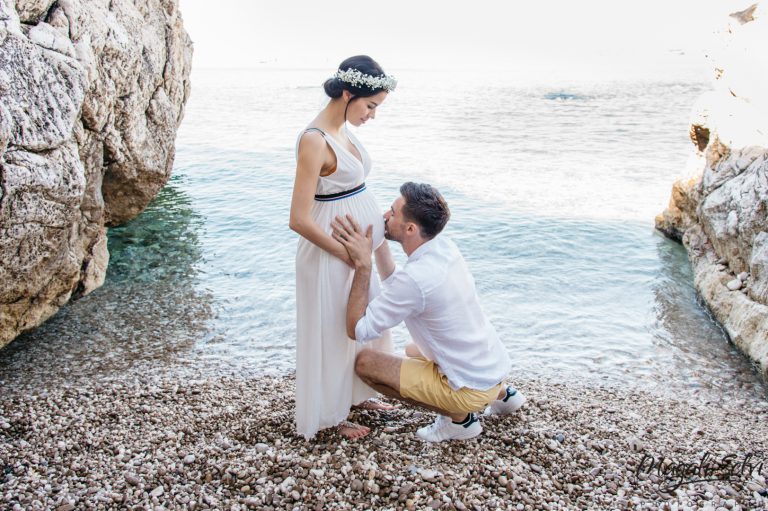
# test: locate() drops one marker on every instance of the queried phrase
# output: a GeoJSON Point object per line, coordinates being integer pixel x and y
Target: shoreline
{"type": "Point", "coordinates": [181, 442]}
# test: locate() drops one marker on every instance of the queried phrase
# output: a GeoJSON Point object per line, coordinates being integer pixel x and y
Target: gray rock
{"type": "Point", "coordinates": [287, 485]}
{"type": "Point", "coordinates": [719, 213]}
{"type": "Point", "coordinates": [635, 444]}
{"type": "Point", "coordinates": [429, 475]}
{"type": "Point", "coordinates": [252, 503]}
{"type": "Point", "coordinates": [132, 479]}
{"type": "Point", "coordinates": [92, 94]}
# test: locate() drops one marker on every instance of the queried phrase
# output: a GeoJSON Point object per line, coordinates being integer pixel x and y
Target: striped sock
{"type": "Point", "coordinates": [470, 418]}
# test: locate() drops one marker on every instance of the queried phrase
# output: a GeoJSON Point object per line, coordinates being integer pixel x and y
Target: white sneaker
{"type": "Point", "coordinates": [445, 429]}
{"type": "Point", "coordinates": [509, 404]}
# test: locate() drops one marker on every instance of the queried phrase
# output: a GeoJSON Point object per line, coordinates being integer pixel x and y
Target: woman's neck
{"type": "Point", "coordinates": [332, 117]}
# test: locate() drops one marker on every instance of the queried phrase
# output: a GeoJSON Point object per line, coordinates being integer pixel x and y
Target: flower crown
{"type": "Point", "coordinates": [357, 78]}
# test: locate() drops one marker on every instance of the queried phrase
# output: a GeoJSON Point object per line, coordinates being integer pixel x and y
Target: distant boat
{"type": "Point", "coordinates": [563, 96]}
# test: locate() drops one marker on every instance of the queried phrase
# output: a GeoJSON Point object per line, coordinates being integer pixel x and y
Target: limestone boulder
{"type": "Point", "coordinates": [720, 211]}
{"type": "Point", "coordinates": [91, 95]}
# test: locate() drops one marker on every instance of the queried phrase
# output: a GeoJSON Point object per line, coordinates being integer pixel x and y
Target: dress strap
{"type": "Point", "coordinates": [316, 129]}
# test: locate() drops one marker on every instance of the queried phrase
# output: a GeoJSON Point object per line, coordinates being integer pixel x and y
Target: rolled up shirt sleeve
{"type": "Point", "coordinates": [399, 298]}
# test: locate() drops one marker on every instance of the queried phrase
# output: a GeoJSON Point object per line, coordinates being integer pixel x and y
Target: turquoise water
{"type": "Point", "coordinates": [553, 189]}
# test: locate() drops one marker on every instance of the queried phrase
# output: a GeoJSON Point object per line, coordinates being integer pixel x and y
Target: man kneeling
{"type": "Point", "coordinates": [457, 365]}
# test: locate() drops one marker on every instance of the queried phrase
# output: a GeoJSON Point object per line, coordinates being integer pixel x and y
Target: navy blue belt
{"type": "Point", "coordinates": [340, 195]}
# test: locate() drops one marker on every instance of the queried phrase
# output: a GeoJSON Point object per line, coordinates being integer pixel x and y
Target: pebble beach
{"type": "Point", "coordinates": [170, 441]}
{"type": "Point", "coordinates": [162, 378]}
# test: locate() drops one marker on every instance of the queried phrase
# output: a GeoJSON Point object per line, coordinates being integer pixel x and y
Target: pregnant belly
{"type": "Point", "coordinates": [363, 208]}
{"type": "Point", "coordinates": [377, 221]}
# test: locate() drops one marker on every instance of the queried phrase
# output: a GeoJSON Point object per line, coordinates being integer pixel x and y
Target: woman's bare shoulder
{"type": "Point", "coordinates": [311, 140]}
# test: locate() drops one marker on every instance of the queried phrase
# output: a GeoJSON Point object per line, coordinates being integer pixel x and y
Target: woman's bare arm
{"type": "Point", "coordinates": [310, 163]}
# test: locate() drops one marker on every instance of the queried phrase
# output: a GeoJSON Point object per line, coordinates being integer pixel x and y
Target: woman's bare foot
{"type": "Point", "coordinates": [375, 404]}
{"type": "Point", "coordinates": [352, 431]}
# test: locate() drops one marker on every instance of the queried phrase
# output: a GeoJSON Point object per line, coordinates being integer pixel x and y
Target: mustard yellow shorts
{"type": "Point", "coordinates": [421, 381]}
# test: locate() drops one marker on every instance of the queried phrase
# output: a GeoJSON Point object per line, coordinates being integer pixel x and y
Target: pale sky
{"type": "Point", "coordinates": [589, 36]}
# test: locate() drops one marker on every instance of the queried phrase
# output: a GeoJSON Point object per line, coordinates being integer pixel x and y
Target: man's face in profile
{"type": "Point", "coordinates": [393, 221]}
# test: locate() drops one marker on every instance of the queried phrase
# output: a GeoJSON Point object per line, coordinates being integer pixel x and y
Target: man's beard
{"type": "Point", "coordinates": [388, 234]}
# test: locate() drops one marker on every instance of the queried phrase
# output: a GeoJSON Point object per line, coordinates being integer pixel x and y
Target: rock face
{"type": "Point", "coordinates": [91, 95]}
{"type": "Point", "coordinates": [720, 212]}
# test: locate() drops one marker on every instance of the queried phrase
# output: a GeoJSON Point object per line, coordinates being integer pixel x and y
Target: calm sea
{"type": "Point", "coordinates": [553, 189]}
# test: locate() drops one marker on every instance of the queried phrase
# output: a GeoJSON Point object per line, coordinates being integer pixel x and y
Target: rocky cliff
{"type": "Point", "coordinates": [91, 95]}
{"type": "Point", "coordinates": [720, 211]}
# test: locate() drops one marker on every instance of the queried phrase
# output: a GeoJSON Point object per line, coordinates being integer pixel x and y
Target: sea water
{"type": "Point", "coordinates": [553, 188]}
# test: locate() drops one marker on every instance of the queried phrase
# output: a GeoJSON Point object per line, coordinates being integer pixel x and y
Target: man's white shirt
{"type": "Point", "coordinates": [435, 295]}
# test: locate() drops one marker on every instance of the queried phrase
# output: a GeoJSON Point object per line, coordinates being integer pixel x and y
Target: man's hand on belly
{"type": "Point", "coordinates": [359, 246]}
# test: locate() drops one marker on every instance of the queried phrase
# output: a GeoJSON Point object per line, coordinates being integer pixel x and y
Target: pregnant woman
{"type": "Point", "coordinates": [330, 180]}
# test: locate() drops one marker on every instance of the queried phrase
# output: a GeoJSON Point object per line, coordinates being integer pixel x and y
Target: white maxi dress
{"type": "Point", "coordinates": [326, 383]}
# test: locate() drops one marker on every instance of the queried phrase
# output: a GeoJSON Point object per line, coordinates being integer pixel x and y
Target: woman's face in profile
{"type": "Point", "coordinates": [362, 109]}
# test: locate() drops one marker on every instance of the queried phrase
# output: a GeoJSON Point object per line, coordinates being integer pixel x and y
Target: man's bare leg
{"type": "Point", "coordinates": [381, 371]}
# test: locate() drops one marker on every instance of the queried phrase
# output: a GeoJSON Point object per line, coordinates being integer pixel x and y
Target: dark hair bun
{"type": "Point", "coordinates": [333, 87]}
{"type": "Point", "coordinates": [363, 63]}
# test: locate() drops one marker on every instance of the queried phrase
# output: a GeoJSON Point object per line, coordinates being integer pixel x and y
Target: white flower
{"type": "Point", "coordinates": [357, 78]}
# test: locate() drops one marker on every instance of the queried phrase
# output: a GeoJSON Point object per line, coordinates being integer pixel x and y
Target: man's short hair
{"type": "Point", "coordinates": [426, 207]}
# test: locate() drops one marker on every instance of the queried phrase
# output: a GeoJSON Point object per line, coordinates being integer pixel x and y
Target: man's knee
{"type": "Point", "coordinates": [364, 361]}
